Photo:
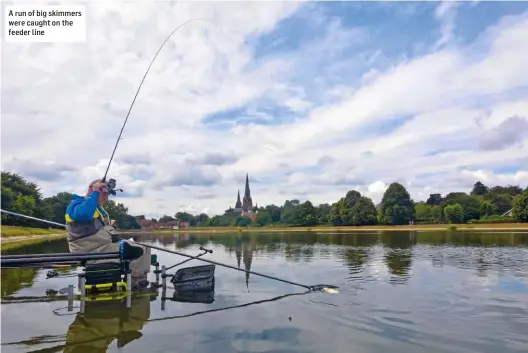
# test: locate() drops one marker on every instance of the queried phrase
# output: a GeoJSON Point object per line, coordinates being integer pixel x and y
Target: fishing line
{"type": "Point", "coordinates": [141, 84]}
{"type": "Point", "coordinates": [319, 287]}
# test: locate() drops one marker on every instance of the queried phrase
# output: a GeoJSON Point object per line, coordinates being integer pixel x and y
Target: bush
{"type": "Point", "coordinates": [493, 220]}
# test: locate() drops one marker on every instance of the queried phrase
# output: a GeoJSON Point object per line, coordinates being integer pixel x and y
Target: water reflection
{"type": "Point", "coordinates": [104, 322]}
{"type": "Point", "coordinates": [15, 279]}
{"type": "Point", "coordinates": [398, 254]}
{"type": "Point", "coordinates": [468, 291]}
{"type": "Point", "coordinates": [96, 328]}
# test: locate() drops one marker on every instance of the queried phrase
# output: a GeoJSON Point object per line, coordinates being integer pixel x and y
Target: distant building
{"type": "Point", "coordinates": [244, 207]}
{"type": "Point", "coordinates": [183, 225]}
{"type": "Point", "coordinates": [146, 224]}
{"type": "Point", "coordinates": [508, 213]}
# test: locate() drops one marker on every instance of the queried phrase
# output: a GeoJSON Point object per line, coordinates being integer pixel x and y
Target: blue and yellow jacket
{"type": "Point", "coordinates": [85, 209]}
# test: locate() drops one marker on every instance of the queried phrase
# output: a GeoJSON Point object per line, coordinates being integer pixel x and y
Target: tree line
{"type": "Point", "coordinates": [482, 204]}
{"type": "Point", "coordinates": [21, 196]}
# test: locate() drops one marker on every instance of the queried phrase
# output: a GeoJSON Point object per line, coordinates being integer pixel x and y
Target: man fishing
{"type": "Point", "coordinates": [89, 230]}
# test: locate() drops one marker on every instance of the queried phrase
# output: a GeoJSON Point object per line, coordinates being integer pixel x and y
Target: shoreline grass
{"type": "Point", "coordinates": [14, 237]}
{"type": "Point", "coordinates": [424, 227]}
{"type": "Point", "coordinates": [13, 231]}
{"type": "Point", "coordinates": [30, 240]}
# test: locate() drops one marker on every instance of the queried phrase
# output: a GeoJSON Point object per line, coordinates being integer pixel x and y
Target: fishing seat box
{"type": "Point", "coordinates": [104, 273]}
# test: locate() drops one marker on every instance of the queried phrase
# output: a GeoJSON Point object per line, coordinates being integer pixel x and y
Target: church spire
{"type": "Point", "coordinates": [247, 203]}
{"type": "Point", "coordinates": [238, 203]}
{"type": "Point", "coordinates": [247, 192]}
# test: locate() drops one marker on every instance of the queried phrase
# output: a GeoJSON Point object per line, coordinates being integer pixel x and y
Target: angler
{"type": "Point", "coordinates": [89, 230]}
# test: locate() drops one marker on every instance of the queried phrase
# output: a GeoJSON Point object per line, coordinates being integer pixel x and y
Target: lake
{"type": "Point", "coordinates": [399, 292]}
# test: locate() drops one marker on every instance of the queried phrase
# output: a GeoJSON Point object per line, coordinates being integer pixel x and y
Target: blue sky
{"type": "Point", "coordinates": [380, 34]}
{"type": "Point", "coordinates": [311, 99]}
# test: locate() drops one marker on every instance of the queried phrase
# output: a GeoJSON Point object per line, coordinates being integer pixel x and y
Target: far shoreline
{"type": "Point", "coordinates": [11, 237]}
{"type": "Point", "coordinates": [383, 228]}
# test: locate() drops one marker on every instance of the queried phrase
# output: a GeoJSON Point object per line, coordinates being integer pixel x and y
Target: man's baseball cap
{"type": "Point", "coordinates": [105, 189]}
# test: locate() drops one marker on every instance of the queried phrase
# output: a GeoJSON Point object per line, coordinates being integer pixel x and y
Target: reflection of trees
{"type": "Point", "coordinates": [398, 253]}
{"type": "Point", "coordinates": [15, 279]}
{"type": "Point", "coordinates": [399, 263]}
{"type": "Point", "coordinates": [293, 252]}
{"type": "Point", "coordinates": [355, 259]}
{"type": "Point", "coordinates": [357, 256]}
{"type": "Point", "coordinates": [46, 247]}
{"type": "Point", "coordinates": [305, 246]}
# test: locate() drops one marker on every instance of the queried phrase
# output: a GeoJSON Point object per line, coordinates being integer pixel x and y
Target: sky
{"type": "Point", "coordinates": [312, 99]}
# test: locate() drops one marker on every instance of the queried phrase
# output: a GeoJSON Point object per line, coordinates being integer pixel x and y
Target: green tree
{"type": "Point", "coordinates": [222, 221]}
{"type": "Point", "coordinates": [422, 212]}
{"type": "Point", "coordinates": [241, 221]}
{"type": "Point", "coordinates": [434, 199]}
{"type": "Point", "coordinates": [502, 203]}
{"type": "Point", "coordinates": [130, 222]}
{"type": "Point", "coordinates": [353, 210]}
{"type": "Point", "coordinates": [334, 216]}
{"type": "Point", "coordinates": [322, 211]}
{"type": "Point", "coordinates": [307, 214]}
{"type": "Point", "coordinates": [263, 218]}
{"type": "Point", "coordinates": [512, 190]}
{"type": "Point", "coordinates": [454, 213]}
{"type": "Point", "coordinates": [291, 213]}
{"type": "Point", "coordinates": [352, 198]}
{"type": "Point", "coordinates": [479, 189]}
{"type": "Point", "coordinates": [21, 196]}
{"type": "Point", "coordinates": [520, 207]}
{"type": "Point", "coordinates": [202, 219]}
{"type": "Point", "coordinates": [396, 206]}
{"type": "Point", "coordinates": [275, 212]}
{"type": "Point", "coordinates": [470, 204]}
{"type": "Point", "coordinates": [186, 217]}
{"type": "Point", "coordinates": [57, 205]}
{"type": "Point", "coordinates": [487, 209]}
{"type": "Point", "coordinates": [364, 212]}
{"type": "Point", "coordinates": [119, 213]}
{"type": "Point", "coordinates": [436, 214]}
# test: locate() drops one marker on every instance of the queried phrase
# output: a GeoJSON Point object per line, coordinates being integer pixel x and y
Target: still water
{"type": "Point", "coordinates": [399, 292]}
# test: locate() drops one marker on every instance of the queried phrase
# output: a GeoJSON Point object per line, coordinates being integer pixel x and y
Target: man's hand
{"type": "Point", "coordinates": [101, 187]}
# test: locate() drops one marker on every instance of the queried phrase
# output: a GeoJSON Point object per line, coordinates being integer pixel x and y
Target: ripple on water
{"type": "Point", "coordinates": [404, 293]}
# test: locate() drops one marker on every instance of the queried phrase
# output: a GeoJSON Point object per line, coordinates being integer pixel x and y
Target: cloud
{"type": "Point", "coordinates": [446, 14]}
{"type": "Point", "coordinates": [311, 99]}
{"type": "Point", "coordinates": [48, 171]}
{"type": "Point", "coordinates": [510, 132]}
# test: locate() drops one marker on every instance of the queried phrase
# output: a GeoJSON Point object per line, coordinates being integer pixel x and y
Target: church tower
{"type": "Point", "coordinates": [238, 204]}
{"type": "Point", "coordinates": [247, 203]}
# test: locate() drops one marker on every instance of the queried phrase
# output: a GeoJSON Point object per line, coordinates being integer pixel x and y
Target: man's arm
{"type": "Point", "coordinates": [84, 211]}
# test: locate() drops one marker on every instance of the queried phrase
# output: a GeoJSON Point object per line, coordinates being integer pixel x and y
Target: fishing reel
{"type": "Point", "coordinates": [111, 186]}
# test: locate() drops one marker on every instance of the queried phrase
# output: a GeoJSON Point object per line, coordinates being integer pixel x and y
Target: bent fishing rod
{"type": "Point", "coordinates": [319, 287]}
{"type": "Point", "coordinates": [111, 189]}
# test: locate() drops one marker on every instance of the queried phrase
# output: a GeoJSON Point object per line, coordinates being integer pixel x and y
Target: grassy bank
{"type": "Point", "coordinates": [10, 231]}
{"type": "Point", "coordinates": [15, 237]}
{"type": "Point", "coordinates": [29, 240]}
{"type": "Point", "coordinates": [438, 227]}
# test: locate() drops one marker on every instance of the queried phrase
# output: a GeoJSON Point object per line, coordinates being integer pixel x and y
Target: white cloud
{"type": "Point", "coordinates": [446, 13]}
{"type": "Point", "coordinates": [65, 103]}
